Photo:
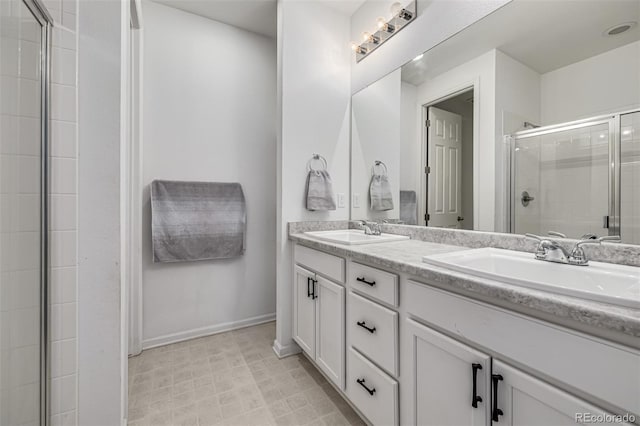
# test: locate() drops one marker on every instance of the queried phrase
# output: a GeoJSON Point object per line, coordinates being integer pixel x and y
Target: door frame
{"type": "Point", "coordinates": [440, 96]}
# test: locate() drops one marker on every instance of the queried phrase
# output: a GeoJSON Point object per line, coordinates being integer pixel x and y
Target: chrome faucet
{"type": "Point", "coordinates": [551, 251]}
{"type": "Point", "coordinates": [371, 228]}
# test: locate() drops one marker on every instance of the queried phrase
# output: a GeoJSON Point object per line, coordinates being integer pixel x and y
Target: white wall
{"type": "Point", "coordinates": [100, 28]}
{"type": "Point", "coordinates": [599, 85]}
{"type": "Point", "coordinates": [314, 59]}
{"type": "Point", "coordinates": [435, 23]}
{"type": "Point", "coordinates": [209, 115]}
{"type": "Point", "coordinates": [478, 73]}
{"type": "Point", "coordinates": [375, 136]}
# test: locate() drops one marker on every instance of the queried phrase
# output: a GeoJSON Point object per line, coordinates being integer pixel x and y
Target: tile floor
{"type": "Point", "coordinates": [232, 378]}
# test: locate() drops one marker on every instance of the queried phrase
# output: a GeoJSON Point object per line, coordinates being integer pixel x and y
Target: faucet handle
{"type": "Point", "coordinates": [534, 237]}
{"type": "Point", "coordinates": [578, 256]}
{"type": "Point", "coordinates": [557, 234]}
{"type": "Point", "coordinates": [590, 240]}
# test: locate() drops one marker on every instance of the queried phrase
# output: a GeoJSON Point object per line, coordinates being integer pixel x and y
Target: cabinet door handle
{"type": "Point", "coordinates": [309, 293]}
{"type": "Point", "coordinates": [495, 411]}
{"type": "Point", "coordinates": [315, 287]}
{"type": "Point", "coordinates": [363, 324]}
{"type": "Point", "coordinates": [364, 280]}
{"type": "Point", "coordinates": [361, 383]}
{"type": "Point", "coordinates": [475, 398]}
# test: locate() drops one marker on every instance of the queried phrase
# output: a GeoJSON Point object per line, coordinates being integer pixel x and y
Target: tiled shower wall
{"type": "Point", "coordinates": [63, 214]}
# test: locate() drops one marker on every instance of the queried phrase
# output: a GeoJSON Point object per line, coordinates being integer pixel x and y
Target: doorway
{"type": "Point", "coordinates": [449, 161]}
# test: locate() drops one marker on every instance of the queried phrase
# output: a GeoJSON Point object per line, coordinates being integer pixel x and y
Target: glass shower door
{"type": "Point", "coordinates": [22, 229]}
{"type": "Point", "coordinates": [630, 178]}
{"type": "Point", "coordinates": [561, 180]}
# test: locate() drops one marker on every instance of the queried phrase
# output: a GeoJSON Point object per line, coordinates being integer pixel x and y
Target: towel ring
{"type": "Point", "coordinates": [378, 163]}
{"type": "Point", "coordinates": [317, 157]}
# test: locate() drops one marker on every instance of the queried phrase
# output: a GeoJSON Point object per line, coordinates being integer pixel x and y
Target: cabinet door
{"type": "Point", "coordinates": [524, 400]}
{"type": "Point", "coordinates": [443, 374]}
{"type": "Point", "coordinates": [330, 309]}
{"type": "Point", "coordinates": [304, 311]}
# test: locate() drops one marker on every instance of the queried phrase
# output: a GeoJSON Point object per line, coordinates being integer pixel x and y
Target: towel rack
{"type": "Point", "coordinates": [316, 157]}
{"type": "Point", "coordinates": [378, 163]}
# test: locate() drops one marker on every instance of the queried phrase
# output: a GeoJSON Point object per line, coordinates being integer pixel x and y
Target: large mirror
{"type": "Point", "coordinates": [526, 121]}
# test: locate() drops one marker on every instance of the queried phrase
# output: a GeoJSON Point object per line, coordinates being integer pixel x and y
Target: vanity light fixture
{"type": "Point", "coordinates": [400, 17]}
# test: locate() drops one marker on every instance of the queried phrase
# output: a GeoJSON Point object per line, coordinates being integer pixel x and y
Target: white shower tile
{"type": "Point", "coordinates": [29, 98]}
{"type": "Point", "coordinates": [24, 365]}
{"type": "Point", "coordinates": [63, 285]}
{"type": "Point", "coordinates": [63, 358]}
{"type": "Point", "coordinates": [63, 248]}
{"type": "Point", "coordinates": [63, 321]}
{"type": "Point", "coordinates": [28, 207]}
{"type": "Point", "coordinates": [8, 134]}
{"type": "Point", "coordinates": [24, 327]}
{"type": "Point", "coordinates": [63, 213]}
{"type": "Point", "coordinates": [63, 139]}
{"type": "Point", "coordinates": [29, 136]}
{"type": "Point", "coordinates": [63, 102]}
{"type": "Point", "coordinates": [64, 38]}
{"type": "Point", "coordinates": [23, 401]}
{"type": "Point", "coordinates": [69, 20]}
{"type": "Point", "coordinates": [63, 176]}
{"type": "Point", "coordinates": [63, 66]}
{"type": "Point", "coordinates": [28, 174]}
{"type": "Point", "coordinates": [63, 394]}
{"type": "Point", "coordinates": [29, 60]}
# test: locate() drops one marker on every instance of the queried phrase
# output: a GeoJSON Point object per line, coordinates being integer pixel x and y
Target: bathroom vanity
{"type": "Point", "coordinates": [410, 343]}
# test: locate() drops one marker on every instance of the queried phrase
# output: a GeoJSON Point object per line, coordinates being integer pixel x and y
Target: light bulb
{"type": "Point", "coordinates": [395, 8]}
{"type": "Point", "coordinates": [381, 23]}
{"type": "Point", "coordinates": [354, 46]}
{"type": "Point", "coordinates": [366, 36]}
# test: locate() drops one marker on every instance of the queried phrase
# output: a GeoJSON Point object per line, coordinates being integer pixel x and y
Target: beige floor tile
{"type": "Point", "coordinates": [231, 379]}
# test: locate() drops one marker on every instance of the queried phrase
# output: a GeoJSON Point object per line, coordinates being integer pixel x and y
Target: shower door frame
{"type": "Point", "coordinates": [614, 202]}
{"type": "Point", "coordinates": [42, 16]}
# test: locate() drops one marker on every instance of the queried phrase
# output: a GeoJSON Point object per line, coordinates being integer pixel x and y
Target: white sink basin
{"type": "Point", "coordinates": [354, 236]}
{"type": "Point", "coordinates": [602, 282]}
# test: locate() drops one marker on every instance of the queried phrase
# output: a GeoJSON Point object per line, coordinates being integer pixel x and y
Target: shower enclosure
{"type": "Point", "coordinates": [578, 178]}
{"type": "Point", "coordinates": [24, 41]}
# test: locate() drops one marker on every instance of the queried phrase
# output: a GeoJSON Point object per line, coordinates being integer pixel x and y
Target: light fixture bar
{"type": "Point", "coordinates": [400, 17]}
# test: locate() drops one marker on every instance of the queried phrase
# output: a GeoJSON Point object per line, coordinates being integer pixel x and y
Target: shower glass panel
{"type": "Point", "coordinates": [630, 178]}
{"type": "Point", "coordinates": [561, 180]}
{"type": "Point", "coordinates": [22, 209]}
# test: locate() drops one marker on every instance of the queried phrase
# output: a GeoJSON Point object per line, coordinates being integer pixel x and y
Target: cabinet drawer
{"type": "Point", "coordinates": [373, 330]}
{"type": "Point", "coordinates": [379, 400]}
{"type": "Point", "coordinates": [325, 264]}
{"type": "Point", "coordinates": [378, 284]}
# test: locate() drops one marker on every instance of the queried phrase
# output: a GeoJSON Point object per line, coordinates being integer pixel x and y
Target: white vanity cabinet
{"type": "Point", "coordinates": [523, 400]}
{"type": "Point", "coordinates": [442, 367]}
{"type": "Point", "coordinates": [319, 310]}
{"type": "Point", "coordinates": [451, 380]}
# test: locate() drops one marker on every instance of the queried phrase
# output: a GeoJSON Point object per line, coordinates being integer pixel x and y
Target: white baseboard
{"type": "Point", "coordinates": [283, 351]}
{"type": "Point", "coordinates": [167, 339]}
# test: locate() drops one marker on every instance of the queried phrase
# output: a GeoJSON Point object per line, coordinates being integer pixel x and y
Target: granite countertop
{"type": "Point", "coordinates": [602, 319]}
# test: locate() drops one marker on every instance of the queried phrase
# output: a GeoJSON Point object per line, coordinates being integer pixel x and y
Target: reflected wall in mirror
{"type": "Point", "coordinates": [526, 121]}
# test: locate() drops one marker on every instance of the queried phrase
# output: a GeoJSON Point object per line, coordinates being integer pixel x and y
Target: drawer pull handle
{"type": "Point", "coordinates": [364, 280]}
{"type": "Point", "coordinates": [361, 383]}
{"type": "Point", "coordinates": [364, 325]}
{"type": "Point", "coordinates": [475, 398]}
{"type": "Point", "coordinates": [309, 292]}
{"type": "Point", "coordinates": [495, 411]}
{"type": "Point", "coordinates": [314, 294]}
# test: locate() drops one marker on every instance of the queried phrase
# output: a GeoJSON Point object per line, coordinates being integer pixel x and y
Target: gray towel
{"type": "Point", "coordinates": [197, 220]}
{"type": "Point", "coordinates": [408, 207]}
{"type": "Point", "coordinates": [380, 193]}
{"type": "Point", "coordinates": [319, 190]}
